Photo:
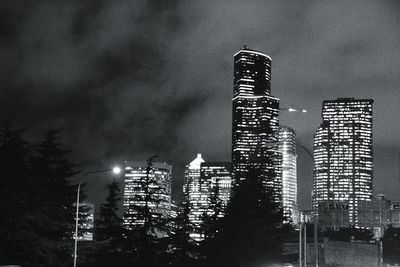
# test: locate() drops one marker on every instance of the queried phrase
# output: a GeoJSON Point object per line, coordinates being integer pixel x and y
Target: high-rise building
{"type": "Point", "coordinates": [287, 146]}
{"type": "Point", "coordinates": [255, 124]}
{"type": "Point", "coordinates": [343, 166]}
{"type": "Point", "coordinates": [86, 221]}
{"type": "Point", "coordinates": [194, 194]}
{"type": "Point", "coordinates": [159, 180]}
{"type": "Point", "coordinates": [202, 181]}
{"type": "Point", "coordinates": [218, 177]}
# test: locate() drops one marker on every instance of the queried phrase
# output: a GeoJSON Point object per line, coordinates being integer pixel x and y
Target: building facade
{"type": "Point", "coordinates": [218, 177]}
{"type": "Point", "coordinates": [158, 179]}
{"type": "Point", "coordinates": [194, 191]}
{"type": "Point", "coordinates": [204, 183]}
{"type": "Point", "coordinates": [255, 123]}
{"type": "Point", "coordinates": [343, 166]}
{"type": "Point", "coordinates": [86, 221]}
{"type": "Point", "coordinates": [287, 146]}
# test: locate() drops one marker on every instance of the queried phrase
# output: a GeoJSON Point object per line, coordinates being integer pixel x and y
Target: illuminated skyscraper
{"type": "Point", "coordinates": [343, 167]}
{"type": "Point", "coordinates": [86, 221]}
{"type": "Point", "coordinates": [218, 176]}
{"type": "Point", "coordinates": [202, 180]}
{"type": "Point", "coordinates": [159, 179]}
{"type": "Point", "coordinates": [287, 146]}
{"type": "Point", "coordinates": [255, 124]}
{"type": "Point", "coordinates": [193, 190]}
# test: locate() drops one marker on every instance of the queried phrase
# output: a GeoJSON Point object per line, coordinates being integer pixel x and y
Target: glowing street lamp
{"type": "Point", "coordinates": [115, 170]}
{"type": "Point", "coordinates": [292, 109]}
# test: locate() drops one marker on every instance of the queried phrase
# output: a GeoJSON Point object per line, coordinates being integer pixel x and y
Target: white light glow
{"type": "Point", "coordinates": [116, 170]}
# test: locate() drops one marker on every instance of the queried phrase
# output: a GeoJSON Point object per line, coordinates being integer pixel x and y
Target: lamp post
{"type": "Point", "coordinates": [115, 170]}
{"type": "Point", "coordinates": [315, 213]}
{"type": "Point", "coordinates": [292, 109]}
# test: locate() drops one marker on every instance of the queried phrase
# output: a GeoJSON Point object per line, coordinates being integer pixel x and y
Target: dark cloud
{"type": "Point", "coordinates": [129, 79]}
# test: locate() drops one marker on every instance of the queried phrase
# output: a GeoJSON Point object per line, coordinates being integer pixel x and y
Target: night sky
{"type": "Point", "coordinates": [129, 79]}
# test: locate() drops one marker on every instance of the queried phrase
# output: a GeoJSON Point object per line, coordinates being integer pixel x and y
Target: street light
{"type": "Point", "coordinates": [116, 170]}
{"type": "Point", "coordinates": [291, 109]}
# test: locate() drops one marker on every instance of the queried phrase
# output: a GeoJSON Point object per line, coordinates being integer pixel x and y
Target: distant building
{"type": "Point", "coordinates": [377, 213]}
{"type": "Point", "coordinates": [194, 194]}
{"type": "Point", "coordinates": [135, 191]}
{"type": "Point", "coordinates": [374, 214]}
{"type": "Point", "coordinates": [218, 176]}
{"type": "Point", "coordinates": [395, 214]}
{"type": "Point", "coordinates": [287, 147]}
{"type": "Point", "coordinates": [255, 124]}
{"type": "Point", "coordinates": [202, 180]}
{"type": "Point", "coordinates": [174, 209]}
{"type": "Point", "coordinates": [333, 214]}
{"type": "Point", "coordinates": [86, 221]}
{"type": "Point", "coordinates": [343, 166]}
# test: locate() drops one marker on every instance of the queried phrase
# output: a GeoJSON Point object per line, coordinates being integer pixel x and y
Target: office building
{"type": "Point", "coordinates": [193, 191]}
{"type": "Point", "coordinates": [343, 166]}
{"type": "Point", "coordinates": [158, 179]}
{"type": "Point", "coordinates": [218, 177]}
{"type": "Point", "coordinates": [86, 221]}
{"type": "Point", "coordinates": [287, 146]}
{"type": "Point", "coordinates": [203, 183]}
{"type": "Point", "coordinates": [255, 124]}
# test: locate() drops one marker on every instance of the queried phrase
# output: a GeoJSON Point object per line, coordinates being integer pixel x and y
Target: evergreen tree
{"type": "Point", "coordinates": [148, 240]}
{"type": "Point", "coordinates": [109, 230]}
{"type": "Point", "coordinates": [212, 218]}
{"type": "Point", "coordinates": [109, 224]}
{"type": "Point", "coordinates": [252, 231]}
{"type": "Point", "coordinates": [35, 201]}
{"type": "Point", "coordinates": [185, 249]}
{"type": "Point", "coordinates": [53, 198]}
{"type": "Point", "coordinates": [18, 241]}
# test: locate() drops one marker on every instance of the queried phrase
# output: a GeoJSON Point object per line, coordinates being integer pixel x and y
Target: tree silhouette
{"type": "Point", "coordinates": [252, 231]}
{"type": "Point", "coordinates": [36, 200]}
{"type": "Point", "coordinates": [53, 195]}
{"type": "Point", "coordinates": [184, 248]}
{"type": "Point", "coordinates": [391, 245]}
{"type": "Point", "coordinates": [350, 233]}
{"type": "Point", "coordinates": [15, 189]}
{"type": "Point", "coordinates": [109, 224]}
{"type": "Point", "coordinates": [216, 208]}
{"type": "Point", "coordinates": [147, 241]}
{"type": "Point", "coordinates": [109, 233]}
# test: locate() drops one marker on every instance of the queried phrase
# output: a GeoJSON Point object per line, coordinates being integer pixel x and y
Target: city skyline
{"type": "Point", "coordinates": [97, 81]}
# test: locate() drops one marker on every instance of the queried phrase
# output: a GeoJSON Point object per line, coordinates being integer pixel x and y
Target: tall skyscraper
{"type": "Point", "coordinates": [255, 124]}
{"type": "Point", "coordinates": [287, 146]}
{"type": "Point", "coordinates": [159, 179]}
{"type": "Point", "coordinates": [343, 166]}
{"type": "Point", "coordinates": [202, 181]}
{"type": "Point", "coordinates": [194, 193]}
